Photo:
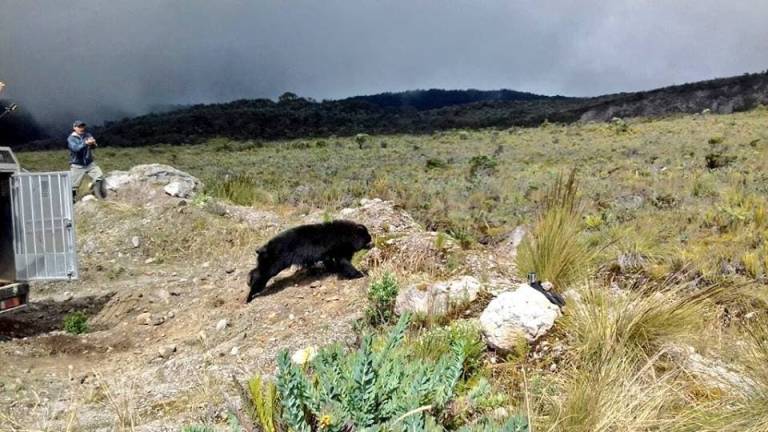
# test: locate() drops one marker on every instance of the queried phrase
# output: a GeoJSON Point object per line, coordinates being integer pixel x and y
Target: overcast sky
{"type": "Point", "coordinates": [96, 59]}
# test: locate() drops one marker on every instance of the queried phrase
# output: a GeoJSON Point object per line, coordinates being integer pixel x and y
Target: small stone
{"type": "Point", "coordinates": [164, 295]}
{"type": "Point", "coordinates": [291, 317]}
{"type": "Point", "coordinates": [222, 324]}
{"type": "Point", "coordinates": [234, 351]}
{"type": "Point", "coordinates": [167, 351]}
{"type": "Point", "coordinates": [500, 413]}
{"type": "Point", "coordinates": [149, 260]}
{"type": "Point", "coordinates": [135, 241]}
{"type": "Point", "coordinates": [64, 297]}
{"type": "Point", "coordinates": [315, 284]}
{"type": "Point", "coordinates": [147, 318]}
{"type": "Point", "coordinates": [229, 270]}
{"type": "Point", "coordinates": [206, 264]}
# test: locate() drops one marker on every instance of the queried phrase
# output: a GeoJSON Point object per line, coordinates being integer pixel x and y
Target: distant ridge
{"type": "Point", "coordinates": [417, 111]}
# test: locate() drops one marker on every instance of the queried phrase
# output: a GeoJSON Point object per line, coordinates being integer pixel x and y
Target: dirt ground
{"type": "Point", "coordinates": [163, 282]}
{"type": "Point", "coordinates": [166, 335]}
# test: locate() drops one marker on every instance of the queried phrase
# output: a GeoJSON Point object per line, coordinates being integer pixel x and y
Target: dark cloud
{"type": "Point", "coordinates": [103, 59]}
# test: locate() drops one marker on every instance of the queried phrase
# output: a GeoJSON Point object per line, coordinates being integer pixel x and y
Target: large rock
{"type": "Point", "coordinates": [712, 372]}
{"type": "Point", "coordinates": [381, 217]}
{"type": "Point", "coordinates": [438, 299]}
{"type": "Point", "coordinates": [524, 312]}
{"type": "Point", "coordinates": [175, 182]}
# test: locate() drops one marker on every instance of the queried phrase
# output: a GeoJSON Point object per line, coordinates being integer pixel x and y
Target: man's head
{"type": "Point", "coordinates": [79, 126]}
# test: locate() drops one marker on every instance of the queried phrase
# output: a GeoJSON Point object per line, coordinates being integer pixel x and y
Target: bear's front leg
{"type": "Point", "coordinates": [346, 269]}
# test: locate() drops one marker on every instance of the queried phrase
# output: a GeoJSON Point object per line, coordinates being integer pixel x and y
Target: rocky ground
{"type": "Point", "coordinates": [163, 278]}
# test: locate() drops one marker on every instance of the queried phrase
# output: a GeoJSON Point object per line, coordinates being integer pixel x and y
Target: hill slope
{"type": "Point", "coordinates": [418, 112]}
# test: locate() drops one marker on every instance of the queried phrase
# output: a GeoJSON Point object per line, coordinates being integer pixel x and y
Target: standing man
{"type": "Point", "coordinates": [81, 145]}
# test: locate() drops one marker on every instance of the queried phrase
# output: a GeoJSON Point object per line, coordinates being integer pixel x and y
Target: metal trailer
{"type": "Point", "coordinates": [37, 232]}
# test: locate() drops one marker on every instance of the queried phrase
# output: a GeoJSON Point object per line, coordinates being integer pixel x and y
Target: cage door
{"type": "Point", "coordinates": [43, 226]}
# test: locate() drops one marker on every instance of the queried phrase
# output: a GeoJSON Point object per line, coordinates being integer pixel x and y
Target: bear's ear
{"type": "Point", "coordinates": [362, 228]}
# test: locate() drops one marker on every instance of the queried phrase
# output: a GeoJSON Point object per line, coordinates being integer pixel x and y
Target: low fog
{"type": "Point", "coordinates": [100, 60]}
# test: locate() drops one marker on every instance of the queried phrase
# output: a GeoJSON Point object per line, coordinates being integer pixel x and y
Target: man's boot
{"type": "Point", "coordinates": [100, 189]}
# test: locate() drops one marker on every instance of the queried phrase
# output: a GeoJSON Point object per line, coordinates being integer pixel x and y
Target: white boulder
{"type": "Point", "coordinates": [524, 312]}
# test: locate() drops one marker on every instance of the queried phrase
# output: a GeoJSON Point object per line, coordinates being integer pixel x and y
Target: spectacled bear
{"type": "Point", "coordinates": [332, 243]}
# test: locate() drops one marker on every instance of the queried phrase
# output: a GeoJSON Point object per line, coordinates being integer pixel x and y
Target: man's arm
{"type": "Point", "coordinates": [74, 143]}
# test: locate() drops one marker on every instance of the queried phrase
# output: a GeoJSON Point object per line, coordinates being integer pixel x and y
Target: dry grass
{"type": "Point", "coordinates": [618, 394]}
{"type": "Point", "coordinates": [633, 324]}
{"type": "Point", "coordinates": [554, 249]}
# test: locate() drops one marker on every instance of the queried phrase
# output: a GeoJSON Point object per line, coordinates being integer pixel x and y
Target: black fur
{"type": "Point", "coordinates": [552, 296]}
{"type": "Point", "coordinates": [332, 243]}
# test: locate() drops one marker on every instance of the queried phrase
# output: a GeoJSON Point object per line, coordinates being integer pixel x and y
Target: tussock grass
{"type": "Point", "coordinates": [554, 249]}
{"type": "Point", "coordinates": [632, 324]}
{"type": "Point", "coordinates": [618, 394]}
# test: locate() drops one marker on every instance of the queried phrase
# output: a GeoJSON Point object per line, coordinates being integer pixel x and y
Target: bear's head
{"type": "Point", "coordinates": [253, 280]}
{"type": "Point", "coordinates": [362, 238]}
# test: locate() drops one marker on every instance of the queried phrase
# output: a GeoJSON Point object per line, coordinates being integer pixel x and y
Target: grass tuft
{"type": "Point", "coordinates": [554, 249]}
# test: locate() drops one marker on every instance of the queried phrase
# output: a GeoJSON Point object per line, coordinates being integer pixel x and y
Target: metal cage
{"type": "Point", "coordinates": [43, 226]}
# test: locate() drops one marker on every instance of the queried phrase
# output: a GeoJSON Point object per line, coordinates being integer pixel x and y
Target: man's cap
{"type": "Point", "coordinates": [78, 123]}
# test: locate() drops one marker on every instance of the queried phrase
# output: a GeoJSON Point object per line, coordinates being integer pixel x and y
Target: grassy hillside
{"type": "Point", "coordinates": [481, 184]}
{"type": "Point", "coordinates": [674, 218]}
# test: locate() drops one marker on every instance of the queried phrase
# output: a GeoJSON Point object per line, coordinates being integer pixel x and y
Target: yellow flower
{"type": "Point", "coordinates": [325, 421]}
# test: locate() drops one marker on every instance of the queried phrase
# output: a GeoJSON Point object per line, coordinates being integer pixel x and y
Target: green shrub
{"type": "Point", "coordinates": [381, 297]}
{"type": "Point", "coordinates": [439, 340]}
{"type": "Point", "coordinates": [435, 163]}
{"type": "Point", "coordinates": [361, 139]}
{"type": "Point", "coordinates": [718, 160]}
{"type": "Point", "coordinates": [482, 165]}
{"type": "Point", "coordinates": [381, 386]}
{"type": "Point", "coordinates": [76, 323]}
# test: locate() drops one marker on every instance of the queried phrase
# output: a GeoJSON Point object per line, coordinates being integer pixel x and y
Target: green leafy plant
{"type": "Point", "coordinates": [381, 297]}
{"type": "Point", "coordinates": [384, 385]}
{"type": "Point", "coordinates": [76, 323]}
{"type": "Point", "coordinates": [482, 165]}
